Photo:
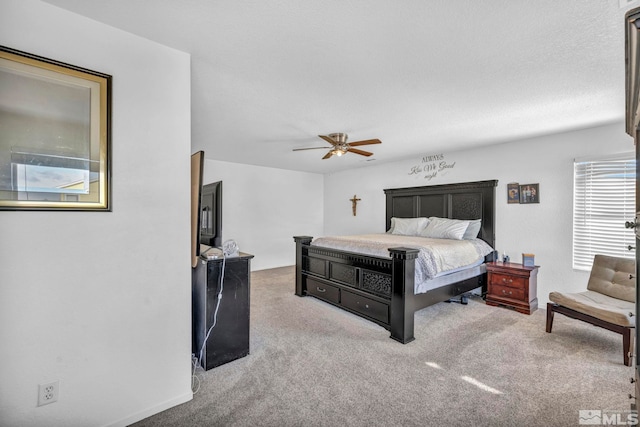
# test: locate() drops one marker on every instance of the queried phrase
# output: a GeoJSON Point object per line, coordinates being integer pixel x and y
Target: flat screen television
{"type": "Point", "coordinates": [211, 214]}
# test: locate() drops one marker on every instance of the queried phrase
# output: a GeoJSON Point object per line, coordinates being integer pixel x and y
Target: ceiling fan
{"type": "Point", "coordinates": [340, 145]}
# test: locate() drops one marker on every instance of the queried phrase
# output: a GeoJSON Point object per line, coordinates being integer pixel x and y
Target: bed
{"type": "Point", "coordinates": [381, 288]}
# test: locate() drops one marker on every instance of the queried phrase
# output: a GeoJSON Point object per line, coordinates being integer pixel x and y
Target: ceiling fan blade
{"type": "Point", "coordinates": [328, 139]}
{"type": "Point", "coordinates": [365, 142]}
{"type": "Point", "coordinates": [312, 148]}
{"type": "Point", "coordinates": [329, 154]}
{"type": "Point", "coordinates": [361, 152]}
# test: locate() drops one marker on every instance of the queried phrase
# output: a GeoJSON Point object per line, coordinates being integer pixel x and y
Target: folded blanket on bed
{"type": "Point", "coordinates": [436, 256]}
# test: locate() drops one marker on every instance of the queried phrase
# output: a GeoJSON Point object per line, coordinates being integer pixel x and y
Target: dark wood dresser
{"type": "Point", "coordinates": [513, 286]}
{"type": "Point", "coordinates": [229, 338]}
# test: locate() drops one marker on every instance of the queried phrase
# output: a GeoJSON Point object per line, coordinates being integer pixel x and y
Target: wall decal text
{"type": "Point", "coordinates": [431, 166]}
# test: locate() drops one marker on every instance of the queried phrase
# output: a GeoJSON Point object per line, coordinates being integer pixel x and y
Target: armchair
{"type": "Point", "coordinates": [608, 302]}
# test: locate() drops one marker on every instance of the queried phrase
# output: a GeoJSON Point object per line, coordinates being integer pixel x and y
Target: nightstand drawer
{"type": "Point", "coordinates": [500, 291]}
{"type": "Point", "coordinates": [507, 280]}
{"type": "Point", "coordinates": [323, 291]}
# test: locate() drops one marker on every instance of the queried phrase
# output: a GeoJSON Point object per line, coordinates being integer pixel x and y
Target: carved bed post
{"type": "Point", "coordinates": [402, 282]}
{"type": "Point", "coordinates": [300, 240]}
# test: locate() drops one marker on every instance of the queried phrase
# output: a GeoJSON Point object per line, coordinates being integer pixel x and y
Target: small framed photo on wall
{"type": "Point", "coordinates": [513, 192]}
{"type": "Point", "coordinates": [530, 193]}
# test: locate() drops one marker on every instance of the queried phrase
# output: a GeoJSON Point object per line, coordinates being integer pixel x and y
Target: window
{"type": "Point", "coordinates": [603, 199]}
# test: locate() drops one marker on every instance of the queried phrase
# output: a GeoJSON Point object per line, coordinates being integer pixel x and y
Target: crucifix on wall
{"type": "Point", "coordinates": [354, 204]}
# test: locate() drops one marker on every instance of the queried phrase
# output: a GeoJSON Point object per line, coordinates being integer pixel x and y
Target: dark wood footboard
{"type": "Point", "coordinates": [378, 289]}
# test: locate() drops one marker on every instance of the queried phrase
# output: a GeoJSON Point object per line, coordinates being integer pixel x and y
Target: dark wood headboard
{"type": "Point", "coordinates": [466, 200]}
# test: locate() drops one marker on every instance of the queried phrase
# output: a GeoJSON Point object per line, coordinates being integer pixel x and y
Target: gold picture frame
{"type": "Point", "coordinates": [55, 135]}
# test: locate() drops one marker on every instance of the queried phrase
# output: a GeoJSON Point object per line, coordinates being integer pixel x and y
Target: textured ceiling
{"type": "Point", "coordinates": [423, 76]}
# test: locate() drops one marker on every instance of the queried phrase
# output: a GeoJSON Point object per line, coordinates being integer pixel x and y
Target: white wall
{"type": "Point", "coordinates": [101, 301]}
{"type": "Point", "coordinates": [263, 208]}
{"type": "Point", "coordinates": [544, 229]}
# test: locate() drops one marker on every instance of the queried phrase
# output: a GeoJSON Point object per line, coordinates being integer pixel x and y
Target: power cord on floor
{"type": "Point", "coordinates": [195, 379]}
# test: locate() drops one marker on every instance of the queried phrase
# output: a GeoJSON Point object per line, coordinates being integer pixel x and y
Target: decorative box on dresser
{"type": "Point", "coordinates": [513, 286]}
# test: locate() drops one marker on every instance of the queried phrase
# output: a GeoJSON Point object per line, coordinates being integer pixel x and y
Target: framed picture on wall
{"type": "Point", "coordinates": [513, 192]}
{"type": "Point", "coordinates": [530, 193]}
{"type": "Point", "coordinates": [55, 135]}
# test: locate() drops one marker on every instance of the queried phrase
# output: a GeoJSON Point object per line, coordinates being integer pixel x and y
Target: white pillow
{"type": "Point", "coordinates": [408, 226]}
{"type": "Point", "coordinates": [445, 228]}
{"type": "Point", "coordinates": [472, 230]}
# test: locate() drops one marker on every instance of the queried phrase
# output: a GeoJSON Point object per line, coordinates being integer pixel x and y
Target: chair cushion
{"type": "Point", "coordinates": [595, 304]}
{"type": "Point", "coordinates": [610, 276]}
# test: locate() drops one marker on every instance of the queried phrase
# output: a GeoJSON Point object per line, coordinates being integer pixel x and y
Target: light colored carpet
{"type": "Point", "coordinates": [312, 364]}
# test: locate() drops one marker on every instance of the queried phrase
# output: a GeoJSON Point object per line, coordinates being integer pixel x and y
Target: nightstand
{"type": "Point", "coordinates": [513, 286]}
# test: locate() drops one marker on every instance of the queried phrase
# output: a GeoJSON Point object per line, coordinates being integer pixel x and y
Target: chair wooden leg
{"type": "Point", "coordinates": [550, 312]}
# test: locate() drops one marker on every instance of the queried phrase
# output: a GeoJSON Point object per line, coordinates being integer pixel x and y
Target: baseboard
{"type": "Point", "coordinates": [152, 411]}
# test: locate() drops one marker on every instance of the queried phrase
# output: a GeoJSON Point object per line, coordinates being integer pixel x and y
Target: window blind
{"type": "Point", "coordinates": [604, 198]}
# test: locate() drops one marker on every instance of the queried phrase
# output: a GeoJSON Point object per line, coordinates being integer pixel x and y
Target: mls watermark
{"type": "Point", "coordinates": [598, 417]}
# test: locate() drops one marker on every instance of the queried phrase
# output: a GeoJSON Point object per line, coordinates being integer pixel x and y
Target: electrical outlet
{"type": "Point", "coordinates": [48, 393]}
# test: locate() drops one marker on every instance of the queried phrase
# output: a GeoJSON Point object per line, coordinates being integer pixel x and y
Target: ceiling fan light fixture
{"type": "Point", "coordinates": [340, 145]}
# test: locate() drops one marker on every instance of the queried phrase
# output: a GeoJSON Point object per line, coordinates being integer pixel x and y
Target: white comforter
{"type": "Point", "coordinates": [436, 256]}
